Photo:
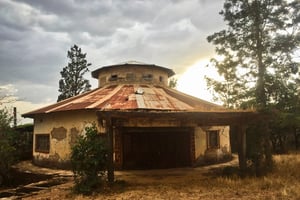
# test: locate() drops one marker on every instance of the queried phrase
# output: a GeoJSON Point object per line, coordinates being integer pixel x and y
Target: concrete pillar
{"type": "Point", "coordinates": [241, 137]}
{"type": "Point", "coordinates": [110, 167]}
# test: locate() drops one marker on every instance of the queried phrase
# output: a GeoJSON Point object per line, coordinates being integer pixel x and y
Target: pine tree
{"type": "Point", "coordinates": [258, 50]}
{"type": "Point", "coordinates": [257, 63]}
{"type": "Point", "coordinates": [72, 82]}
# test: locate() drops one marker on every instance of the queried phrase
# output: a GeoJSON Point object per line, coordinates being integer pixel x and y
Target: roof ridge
{"type": "Point", "coordinates": [133, 62]}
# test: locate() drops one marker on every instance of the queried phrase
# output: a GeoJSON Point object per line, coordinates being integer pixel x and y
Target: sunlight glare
{"type": "Point", "coordinates": [193, 82]}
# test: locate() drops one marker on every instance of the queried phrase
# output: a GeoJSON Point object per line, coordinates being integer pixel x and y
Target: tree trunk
{"type": "Point", "coordinates": [260, 87]}
{"type": "Point", "coordinates": [110, 168]}
{"type": "Point", "coordinates": [296, 135]}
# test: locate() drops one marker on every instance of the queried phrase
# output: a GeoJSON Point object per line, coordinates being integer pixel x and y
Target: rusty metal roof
{"type": "Point", "coordinates": [131, 97]}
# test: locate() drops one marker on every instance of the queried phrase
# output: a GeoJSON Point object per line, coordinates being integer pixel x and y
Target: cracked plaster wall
{"type": "Point", "coordinates": [63, 129]}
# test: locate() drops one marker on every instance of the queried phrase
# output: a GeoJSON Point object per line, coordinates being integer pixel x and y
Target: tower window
{"type": "Point", "coordinates": [161, 79]}
{"type": "Point", "coordinates": [113, 77]}
{"type": "Point", "coordinates": [147, 77]}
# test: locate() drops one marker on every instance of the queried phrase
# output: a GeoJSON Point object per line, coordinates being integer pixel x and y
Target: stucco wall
{"type": "Point", "coordinates": [202, 153]}
{"type": "Point", "coordinates": [139, 72]}
{"type": "Point", "coordinates": [63, 128]}
{"type": "Point", "coordinates": [200, 142]}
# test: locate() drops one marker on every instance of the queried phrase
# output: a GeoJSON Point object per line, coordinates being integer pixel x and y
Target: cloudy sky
{"type": "Point", "coordinates": [35, 36]}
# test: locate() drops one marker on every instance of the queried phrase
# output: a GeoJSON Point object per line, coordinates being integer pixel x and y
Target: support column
{"type": "Point", "coordinates": [110, 167]}
{"type": "Point", "coordinates": [241, 142]}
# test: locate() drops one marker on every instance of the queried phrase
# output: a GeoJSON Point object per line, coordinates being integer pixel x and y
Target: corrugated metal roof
{"type": "Point", "coordinates": [131, 97]}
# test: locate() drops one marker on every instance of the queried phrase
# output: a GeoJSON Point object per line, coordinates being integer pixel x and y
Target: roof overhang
{"type": "Point", "coordinates": [201, 118]}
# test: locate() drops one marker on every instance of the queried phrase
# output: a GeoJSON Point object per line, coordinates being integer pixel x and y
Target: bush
{"type": "Point", "coordinates": [7, 159]}
{"type": "Point", "coordinates": [89, 161]}
{"type": "Point", "coordinates": [7, 150]}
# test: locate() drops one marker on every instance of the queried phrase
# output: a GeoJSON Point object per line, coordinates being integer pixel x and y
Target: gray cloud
{"type": "Point", "coordinates": [35, 36]}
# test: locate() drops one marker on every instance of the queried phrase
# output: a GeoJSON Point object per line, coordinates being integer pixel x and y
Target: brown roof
{"type": "Point", "coordinates": [131, 97]}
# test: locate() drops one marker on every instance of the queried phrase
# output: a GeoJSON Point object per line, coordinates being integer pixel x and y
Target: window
{"type": "Point", "coordinates": [113, 77]}
{"type": "Point", "coordinates": [147, 77]}
{"type": "Point", "coordinates": [42, 143]}
{"type": "Point", "coordinates": [213, 139]}
{"type": "Point", "coordinates": [161, 79]}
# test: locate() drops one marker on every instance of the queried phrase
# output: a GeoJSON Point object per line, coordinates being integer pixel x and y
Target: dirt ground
{"type": "Point", "coordinates": [183, 183]}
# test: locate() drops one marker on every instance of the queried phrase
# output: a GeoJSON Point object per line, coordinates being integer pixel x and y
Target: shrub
{"type": "Point", "coordinates": [7, 159]}
{"type": "Point", "coordinates": [88, 159]}
{"type": "Point", "coordinates": [7, 150]}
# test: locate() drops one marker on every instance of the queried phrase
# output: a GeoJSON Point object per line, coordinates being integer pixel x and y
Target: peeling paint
{"type": "Point", "coordinates": [59, 133]}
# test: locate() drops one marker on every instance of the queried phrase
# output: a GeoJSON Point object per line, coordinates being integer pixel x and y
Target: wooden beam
{"type": "Point", "coordinates": [201, 118]}
{"type": "Point", "coordinates": [110, 167]}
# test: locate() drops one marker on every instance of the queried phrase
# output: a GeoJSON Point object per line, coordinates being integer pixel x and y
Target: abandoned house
{"type": "Point", "coordinates": [150, 124]}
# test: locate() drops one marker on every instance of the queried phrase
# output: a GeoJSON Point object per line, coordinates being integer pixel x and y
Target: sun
{"type": "Point", "coordinates": [193, 82]}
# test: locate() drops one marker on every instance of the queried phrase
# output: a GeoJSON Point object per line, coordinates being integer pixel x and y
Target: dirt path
{"type": "Point", "coordinates": [184, 183]}
{"type": "Point", "coordinates": [137, 184]}
{"type": "Point", "coordinates": [179, 183]}
{"type": "Point", "coordinates": [132, 175]}
{"type": "Point", "coordinates": [168, 175]}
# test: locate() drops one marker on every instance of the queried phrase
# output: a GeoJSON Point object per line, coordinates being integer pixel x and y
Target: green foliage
{"type": "Point", "coordinates": [257, 62]}
{"type": "Point", "coordinates": [285, 122]}
{"type": "Point", "coordinates": [173, 83]}
{"type": "Point", "coordinates": [257, 51]}
{"type": "Point", "coordinates": [7, 150]}
{"type": "Point", "coordinates": [284, 126]}
{"type": "Point", "coordinates": [89, 161]}
{"type": "Point", "coordinates": [72, 82]}
{"type": "Point", "coordinates": [5, 121]}
{"type": "Point", "coordinates": [7, 159]}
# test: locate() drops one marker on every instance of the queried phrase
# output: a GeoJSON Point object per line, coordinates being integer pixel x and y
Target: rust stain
{"type": "Point", "coordinates": [126, 97]}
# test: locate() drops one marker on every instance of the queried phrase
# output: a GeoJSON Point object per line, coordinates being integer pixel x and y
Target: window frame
{"type": "Point", "coordinates": [45, 146]}
{"type": "Point", "coordinates": [147, 77]}
{"type": "Point", "coordinates": [161, 79]}
{"type": "Point", "coordinates": [213, 135]}
{"type": "Point", "coordinates": [113, 77]}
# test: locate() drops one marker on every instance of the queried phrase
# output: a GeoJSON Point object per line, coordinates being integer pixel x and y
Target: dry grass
{"type": "Point", "coordinates": [283, 183]}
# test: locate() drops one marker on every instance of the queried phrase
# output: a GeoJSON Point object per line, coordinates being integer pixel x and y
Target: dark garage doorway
{"type": "Point", "coordinates": [154, 148]}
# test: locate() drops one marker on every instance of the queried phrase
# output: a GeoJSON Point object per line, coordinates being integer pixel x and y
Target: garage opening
{"type": "Point", "coordinates": [154, 148]}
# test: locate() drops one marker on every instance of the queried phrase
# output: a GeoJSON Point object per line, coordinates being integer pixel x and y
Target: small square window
{"type": "Point", "coordinates": [42, 143]}
{"type": "Point", "coordinates": [161, 79]}
{"type": "Point", "coordinates": [113, 77]}
{"type": "Point", "coordinates": [213, 139]}
{"type": "Point", "coordinates": [147, 77]}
